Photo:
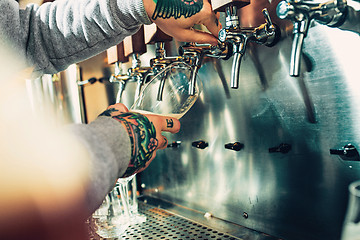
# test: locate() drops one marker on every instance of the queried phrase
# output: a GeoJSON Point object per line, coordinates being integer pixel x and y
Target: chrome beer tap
{"type": "Point", "coordinates": [160, 62]}
{"type": "Point", "coordinates": [138, 73]}
{"type": "Point", "coordinates": [331, 13]}
{"type": "Point", "coordinates": [121, 79]}
{"type": "Point", "coordinates": [135, 46]}
{"type": "Point", "coordinates": [239, 37]}
{"type": "Point", "coordinates": [157, 37]}
{"type": "Point", "coordinates": [115, 55]}
{"type": "Point", "coordinates": [193, 54]}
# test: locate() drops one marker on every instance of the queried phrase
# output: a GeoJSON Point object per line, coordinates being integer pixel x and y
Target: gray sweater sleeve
{"type": "Point", "coordinates": [54, 35]}
{"type": "Point", "coordinates": [110, 150]}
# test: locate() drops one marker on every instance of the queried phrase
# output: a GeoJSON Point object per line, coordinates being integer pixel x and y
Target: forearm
{"type": "Point", "coordinates": [109, 147]}
{"type": "Point", "coordinates": [55, 35]}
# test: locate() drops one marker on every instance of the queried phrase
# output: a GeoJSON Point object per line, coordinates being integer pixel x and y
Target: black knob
{"type": "Point", "coordinates": [103, 80]}
{"type": "Point", "coordinates": [236, 146]}
{"type": "Point", "coordinates": [282, 148]}
{"type": "Point", "coordinates": [200, 144]}
{"type": "Point", "coordinates": [174, 144]}
{"type": "Point", "coordinates": [348, 152]}
{"type": "Point", "coordinates": [92, 80]}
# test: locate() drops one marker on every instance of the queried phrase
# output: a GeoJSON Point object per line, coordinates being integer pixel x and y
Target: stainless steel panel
{"type": "Point", "coordinates": [59, 95]}
{"type": "Point", "coordinates": [301, 194]}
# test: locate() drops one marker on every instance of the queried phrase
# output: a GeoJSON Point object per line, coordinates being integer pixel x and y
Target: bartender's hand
{"type": "Point", "coordinates": [177, 17]}
{"type": "Point", "coordinates": [145, 132]}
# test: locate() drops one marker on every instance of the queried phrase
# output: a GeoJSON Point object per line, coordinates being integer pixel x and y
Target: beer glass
{"type": "Point", "coordinates": [167, 93]}
{"type": "Point", "coordinates": [111, 219]}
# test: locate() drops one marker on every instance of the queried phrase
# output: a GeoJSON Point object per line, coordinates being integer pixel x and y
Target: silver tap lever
{"type": "Point", "coordinates": [138, 73]}
{"type": "Point", "coordinates": [269, 23]}
{"type": "Point", "coordinates": [264, 34]}
{"type": "Point", "coordinates": [119, 77]}
{"type": "Point", "coordinates": [301, 12]}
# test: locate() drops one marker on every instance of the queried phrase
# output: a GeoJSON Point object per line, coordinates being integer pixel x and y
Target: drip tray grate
{"type": "Point", "coordinates": [160, 224]}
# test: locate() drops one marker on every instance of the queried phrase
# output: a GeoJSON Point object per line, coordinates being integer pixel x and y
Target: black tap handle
{"type": "Point", "coordinates": [348, 151]}
{"type": "Point", "coordinates": [92, 80]}
{"type": "Point", "coordinates": [282, 148]}
{"type": "Point", "coordinates": [200, 144]}
{"type": "Point", "coordinates": [236, 146]}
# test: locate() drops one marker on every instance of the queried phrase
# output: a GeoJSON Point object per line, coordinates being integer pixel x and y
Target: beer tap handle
{"type": "Point", "coordinates": [135, 44]}
{"type": "Point", "coordinates": [153, 34]}
{"type": "Point", "coordinates": [269, 24]}
{"type": "Point", "coordinates": [116, 54]}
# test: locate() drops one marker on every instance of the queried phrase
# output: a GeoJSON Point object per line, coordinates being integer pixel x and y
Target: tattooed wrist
{"type": "Point", "coordinates": [143, 140]}
{"type": "Point", "coordinates": [107, 112]}
{"type": "Point", "coordinates": [176, 8]}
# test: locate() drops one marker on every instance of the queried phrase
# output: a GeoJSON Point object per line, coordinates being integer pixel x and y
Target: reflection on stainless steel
{"type": "Point", "coordinates": [253, 53]}
{"type": "Point", "coordinates": [220, 72]}
{"type": "Point", "coordinates": [298, 194]}
{"type": "Point", "coordinates": [309, 105]}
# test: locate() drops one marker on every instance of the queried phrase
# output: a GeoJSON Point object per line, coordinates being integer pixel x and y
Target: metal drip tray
{"type": "Point", "coordinates": [163, 224]}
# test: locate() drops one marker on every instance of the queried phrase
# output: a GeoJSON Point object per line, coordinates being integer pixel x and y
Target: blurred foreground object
{"type": "Point", "coordinates": [42, 169]}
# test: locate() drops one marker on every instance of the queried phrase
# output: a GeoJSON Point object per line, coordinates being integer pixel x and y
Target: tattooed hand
{"type": "Point", "coordinates": [114, 110]}
{"type": "Point", "coordinates": [177, 17]}
{"type": "Point", "coordinates": [145, 134]}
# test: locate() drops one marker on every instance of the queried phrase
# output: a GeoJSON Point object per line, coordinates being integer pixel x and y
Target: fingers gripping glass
{"type": "Point", "coordinates": [167, 93]}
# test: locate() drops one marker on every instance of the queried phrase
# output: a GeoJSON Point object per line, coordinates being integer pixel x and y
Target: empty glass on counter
{"type": "Point", "coordinates": [118, 211]}
{"type": "Point", "coordinates": [128, 189]}
{"type": "Point", "coordinates": [167, 93]}
{"type": "Point", "coordinates": [351, 229]}
{"type": "Point", "coordinates": [111, 219]}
